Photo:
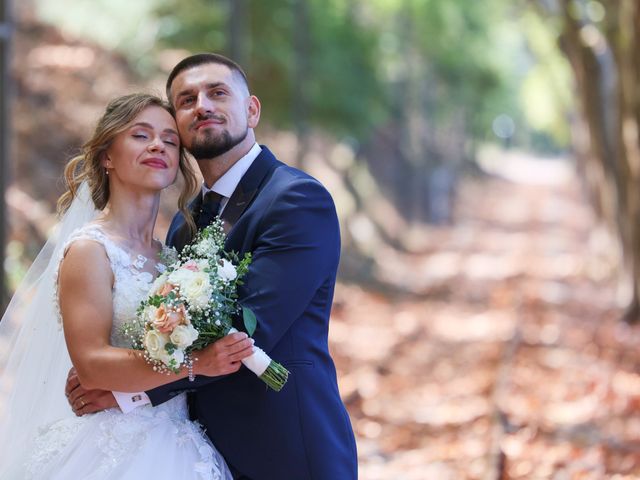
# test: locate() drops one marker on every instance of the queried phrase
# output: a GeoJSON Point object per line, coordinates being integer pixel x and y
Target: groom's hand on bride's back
{"type": "Point", "coordinates": [83, 401]}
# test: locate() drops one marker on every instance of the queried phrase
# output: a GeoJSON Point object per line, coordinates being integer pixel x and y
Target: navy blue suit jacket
{"type": "Point", "coordinates": [287, 220]}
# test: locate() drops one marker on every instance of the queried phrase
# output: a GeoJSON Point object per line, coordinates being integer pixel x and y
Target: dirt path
{"type": "Point", "coordinates": [509, 362]}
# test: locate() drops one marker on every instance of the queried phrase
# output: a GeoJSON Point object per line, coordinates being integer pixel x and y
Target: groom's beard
{"type": "Point", "coordinates": [213, 145]}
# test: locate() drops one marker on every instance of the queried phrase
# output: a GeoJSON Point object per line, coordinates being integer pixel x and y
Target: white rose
{"type": "Point", "coordinates": [183, 336]}
{"type": "Point", "coordinates": [177, 355]}
{"type": "Point", "coordinates": [154, 343]}
{"type": "Point", "coordinates": [227, 271]}
{"type": "Point", "coordinates": [149, 313]}
{"type": "Point", "coordinates": [180, 277]}
{"type": "Point", "coordinates": [198, 289]}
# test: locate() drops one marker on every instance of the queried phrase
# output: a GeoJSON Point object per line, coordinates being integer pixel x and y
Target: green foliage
{"type": "Point", "coordinates": [112, 23]}
{"type": "Point", "coordinates": [156, 300]}
{"type": "Point", "coordinates": [545, 95]}
{"type": "Point", "coordinates": [348, 66]}
{"type": "Point", "coordinates": [352, 66]}
{"type": "Point", "coordinates": [341, 89]}
{"type": "Point", "coordinates": [250, 321]}
{"type": "Point", "coordinates": [345, 80]}
{"type": "Point", "coordinates": [195, 25]}
{"type": "Point", "coordinates": [449, 52]}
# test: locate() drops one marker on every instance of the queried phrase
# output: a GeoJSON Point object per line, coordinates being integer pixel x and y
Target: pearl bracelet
{"type": "Point", "coordinates": [190, 373]}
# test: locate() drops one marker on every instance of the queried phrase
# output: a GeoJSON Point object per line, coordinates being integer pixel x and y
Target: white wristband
{"type": "Point", "coordinates": [258, 362]}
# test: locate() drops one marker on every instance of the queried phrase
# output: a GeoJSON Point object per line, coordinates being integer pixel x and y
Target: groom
{"type": "Point", "coordinates": [287, 220]}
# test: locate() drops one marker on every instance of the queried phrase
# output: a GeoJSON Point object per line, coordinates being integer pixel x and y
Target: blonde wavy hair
{"type": "Point", "coordinates": [88, 167]}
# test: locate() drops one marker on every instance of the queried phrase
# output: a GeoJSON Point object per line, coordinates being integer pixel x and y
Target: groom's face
{"type": "Point", "coordinates": [213, 109]}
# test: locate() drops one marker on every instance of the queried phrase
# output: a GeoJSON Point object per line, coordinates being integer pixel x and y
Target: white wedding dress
{"type": "Point", "coordinates": [149, 442]}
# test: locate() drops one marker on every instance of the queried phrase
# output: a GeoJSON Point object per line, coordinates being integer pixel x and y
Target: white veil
{"type": "Point", "coordinates": [33, 355]}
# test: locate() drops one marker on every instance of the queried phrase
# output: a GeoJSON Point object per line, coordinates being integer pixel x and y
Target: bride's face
{"type": "Point", "coordinates": [146, 154]}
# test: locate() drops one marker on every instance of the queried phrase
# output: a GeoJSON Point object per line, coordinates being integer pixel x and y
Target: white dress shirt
{"type": "Point", "coordinates": [228, 182]}
{"type": "Point", "coordinates": [225, 186]}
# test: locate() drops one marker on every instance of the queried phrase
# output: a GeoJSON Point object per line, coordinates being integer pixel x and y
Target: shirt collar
{"type": "Point", "coordinates": [227, 184]}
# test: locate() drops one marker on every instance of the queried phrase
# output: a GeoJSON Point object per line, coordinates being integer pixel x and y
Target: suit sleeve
{"type": "Point", "coordinates": [296, 250]}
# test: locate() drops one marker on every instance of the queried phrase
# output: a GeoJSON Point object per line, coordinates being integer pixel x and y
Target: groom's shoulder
{"type": "Point", "coordinates": [285, 177]}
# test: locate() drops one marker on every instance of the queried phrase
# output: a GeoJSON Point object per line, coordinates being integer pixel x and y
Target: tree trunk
{"type": "Point", "coordinates": [5, 49]}
{"type": "Point", "coordinates": [238, 32]}
{"type": "Point", "coordinates": [623, 35]}
{"type": "Point", "coordinates": [606, 64]}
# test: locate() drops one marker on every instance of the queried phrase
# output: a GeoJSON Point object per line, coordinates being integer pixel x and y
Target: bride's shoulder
{"type": "Point", "coordinates": [92, 241]}
{"type": "Point", "coordinates": [92, 230]}
{"type": "Point", "coordinates": [86, 243]}
{"type": "Point", "coordinates": [87, 235]}
{"type": "Point", "coordinates": [83, 260]}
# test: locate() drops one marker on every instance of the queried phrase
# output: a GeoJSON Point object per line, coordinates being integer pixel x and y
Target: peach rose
{"type": "Point", "coordinates": [166, 289]}
{"type": "Point", "coordinates": [168, 319]}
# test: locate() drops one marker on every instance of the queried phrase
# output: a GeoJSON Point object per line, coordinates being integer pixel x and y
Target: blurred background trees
{"type": "Point", "coordinates": [398, 98]}
{"type": "Point", "coordinates": [483, 156]}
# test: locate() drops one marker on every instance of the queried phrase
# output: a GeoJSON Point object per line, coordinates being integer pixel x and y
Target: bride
{"type": "Point", "coordinates": [91, 277]}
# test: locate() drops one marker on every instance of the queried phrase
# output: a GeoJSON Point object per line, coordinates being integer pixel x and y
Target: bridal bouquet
{"type": "Point", "coordinates": [192, 304]}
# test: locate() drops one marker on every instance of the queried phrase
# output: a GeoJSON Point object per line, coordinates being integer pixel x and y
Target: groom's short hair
{"type": "Point", "coordinates": [201, 59]}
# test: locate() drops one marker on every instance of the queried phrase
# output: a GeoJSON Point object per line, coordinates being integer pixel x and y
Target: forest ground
{"type": "Point", "coordinates": [510, 361]}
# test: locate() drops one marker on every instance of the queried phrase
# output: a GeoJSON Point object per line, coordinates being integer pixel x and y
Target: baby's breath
{"type": "Point", "coordinates": [207, 251]}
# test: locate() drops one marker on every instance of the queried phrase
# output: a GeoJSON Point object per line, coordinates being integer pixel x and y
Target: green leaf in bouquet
{"type": "Point", "coordinates": [171, 296]}
{"type": "Point", "coordinates": [156, 300]}
{"type": "Point", "coordinates": [250, 321]}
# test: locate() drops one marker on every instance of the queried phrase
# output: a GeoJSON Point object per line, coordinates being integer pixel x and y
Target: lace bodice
{"type": "Point", "coordinates": [148, 442]}
{"type": "Point", "coordinates": [131, 284]}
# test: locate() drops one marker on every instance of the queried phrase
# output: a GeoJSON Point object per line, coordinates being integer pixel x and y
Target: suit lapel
{"type": "Point", "coordinates": [238, 202]}
{"type": "Point", "coordinates": [247, 188]}
{"type": "Point", "coordinates": [236, 205]}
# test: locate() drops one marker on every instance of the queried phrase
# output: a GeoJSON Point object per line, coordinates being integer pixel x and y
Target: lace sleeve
{"type": "Point", "coordinates": [88, 232]}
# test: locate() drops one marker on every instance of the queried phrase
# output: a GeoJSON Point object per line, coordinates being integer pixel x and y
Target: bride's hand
{"type": "Point", "coordinates": [223, 356]}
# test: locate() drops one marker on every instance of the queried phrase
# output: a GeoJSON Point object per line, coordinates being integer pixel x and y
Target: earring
{"type": "Point", "coordinates": [106, 170]}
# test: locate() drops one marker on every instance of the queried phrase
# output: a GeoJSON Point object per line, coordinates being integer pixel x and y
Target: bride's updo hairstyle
{"type": "Point", "coordinates": [88, 166]}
